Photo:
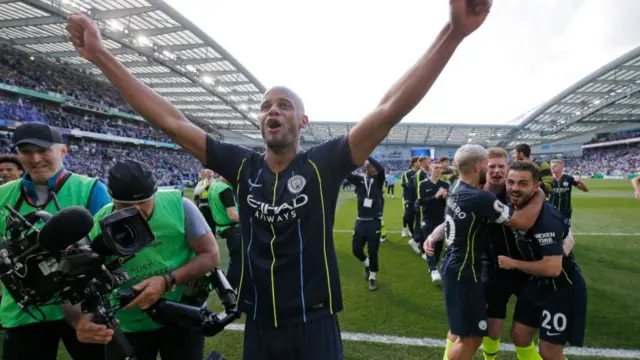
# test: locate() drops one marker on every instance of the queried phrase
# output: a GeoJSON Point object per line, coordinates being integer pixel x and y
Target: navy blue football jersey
{"type": "Point", "coordinates": [467, 214]}
{"type": "Point", "coordinates": [289, 270]}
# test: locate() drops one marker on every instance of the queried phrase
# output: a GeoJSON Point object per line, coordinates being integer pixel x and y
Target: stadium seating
{"type": "Point", "coordinates": [88, 103]}
{"type": "Point", "coordinates": [91, 104]}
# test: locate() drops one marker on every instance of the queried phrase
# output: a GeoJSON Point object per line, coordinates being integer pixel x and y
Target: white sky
{"type": "Point", "coordinates": [342, 56]}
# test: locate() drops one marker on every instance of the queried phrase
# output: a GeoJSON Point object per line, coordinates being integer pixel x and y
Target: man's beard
{"type": "Point", "coordinates": [523, 199]}
{"type": "Point", "coordinates": [277, 146]}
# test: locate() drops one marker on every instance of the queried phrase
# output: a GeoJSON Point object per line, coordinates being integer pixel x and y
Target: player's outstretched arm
{"type": "Point", "coordinates": [465, 17]}
{"type": "Point", "coordinates": [86, 39]}
{"type": "Point", "coordinates": [635, 182]}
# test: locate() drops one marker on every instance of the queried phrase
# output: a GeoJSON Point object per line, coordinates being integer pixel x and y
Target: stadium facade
{"type": "Point", "coordinates": [186, 66]}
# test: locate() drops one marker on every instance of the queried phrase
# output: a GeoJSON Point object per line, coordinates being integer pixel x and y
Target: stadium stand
{"type": "Point", "coordinates": [88, 103]}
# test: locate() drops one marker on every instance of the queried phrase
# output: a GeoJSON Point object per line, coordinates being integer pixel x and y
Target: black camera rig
{"type": "Point", "coordinates": [58, 263]}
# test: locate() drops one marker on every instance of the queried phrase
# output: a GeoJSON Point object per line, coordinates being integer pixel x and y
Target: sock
{"type": "Point", "coordinates": [528, 353]}
{"type": "Point", "coordinates": [490, 348]}
{"type": "Point", "coordinates": [383, 230]}
{"type": "Point", "coordinates": [372, 275]}
{"type": "Point", "coordinates": [446, 349]}
{"type": "Point", "coordinates": [366, 262]}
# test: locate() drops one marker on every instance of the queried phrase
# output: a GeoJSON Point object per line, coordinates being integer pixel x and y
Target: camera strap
{"type": "Point", "coordinates": [62, 179]}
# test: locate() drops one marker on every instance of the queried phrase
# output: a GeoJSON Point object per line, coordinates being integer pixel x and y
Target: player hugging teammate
{"type": "Point", "coordinates": [520, 239]}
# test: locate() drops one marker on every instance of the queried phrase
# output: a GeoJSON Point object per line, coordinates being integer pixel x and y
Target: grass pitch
{"type": "Point", "coordinates": [408, 305]}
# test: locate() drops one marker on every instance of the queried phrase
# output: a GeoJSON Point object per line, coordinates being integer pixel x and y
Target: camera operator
{"type": "Point", "coordinates": [184, 250]}
{"type": "Point", "coordinates": [225, 214]}
{"type": "Point", "coordinates": [41, 152]}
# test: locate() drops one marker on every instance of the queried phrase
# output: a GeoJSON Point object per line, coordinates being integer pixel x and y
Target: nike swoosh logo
{"type": "Point", "coordinates": [552, 334]}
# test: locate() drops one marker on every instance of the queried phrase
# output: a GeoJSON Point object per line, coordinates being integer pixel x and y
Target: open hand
{"type": "Point", "coordinates": [152, 289]}
{"type": "Point", "coordinates": [85, 36]}
{"type": "Point", "coordinates": [467, 15]}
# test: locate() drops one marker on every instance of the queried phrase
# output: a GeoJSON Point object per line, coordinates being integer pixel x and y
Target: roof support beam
{"type": "Point", "coordinates": [122, 51]}
{"type": "Point", "coordinates": [98, 15]}
{"type": "Point", "coordinates": [119, 13]}
{"type": "Point", "coordinates": [132, 64]}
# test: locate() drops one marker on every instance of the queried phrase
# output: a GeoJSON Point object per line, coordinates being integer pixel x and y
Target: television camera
{"type": "Point", "coordinates": [59, 263]}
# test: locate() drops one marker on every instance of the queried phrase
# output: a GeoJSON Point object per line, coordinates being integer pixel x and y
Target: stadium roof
{"type": "Point", "coordinates": [418, 133]}
{"type": "Point", "coordinates": [155, 42]}
{"type": "Point", "coordinates": [186, 66]}
{"type": "Point", "coordinates": [608, 96]}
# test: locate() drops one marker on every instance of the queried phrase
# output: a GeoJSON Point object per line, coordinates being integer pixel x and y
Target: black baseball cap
{"type": "Point", "coordinates": [131, 181]}
{"type": "Point", "coordinates": [35, 133]}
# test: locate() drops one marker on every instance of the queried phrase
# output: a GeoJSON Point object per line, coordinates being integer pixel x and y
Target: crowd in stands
{"type": "Point", "coordinates": [27, 109]}
{"type": "Point", "coordinates": [20, 69]}
{"type": "Point", "coordinates": [91, 99]}
{"type": "Point", "coordinates": [612, 160]}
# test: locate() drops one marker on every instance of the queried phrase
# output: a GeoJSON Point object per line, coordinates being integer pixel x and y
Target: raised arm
{"type": "Point", "coordinates": [86, 39]}
{"type": "Point", "coordinates": [381, 177]}
{"type": "Point", "coordinates": [355, 180]}
{"type": "Point", "coordinates": [635, 182]}
{"type": "Point", "coordinates": [414, 85]}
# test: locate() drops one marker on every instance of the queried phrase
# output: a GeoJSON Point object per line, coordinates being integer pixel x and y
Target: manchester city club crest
{"type": "Point", "coordinates": [296, 184]}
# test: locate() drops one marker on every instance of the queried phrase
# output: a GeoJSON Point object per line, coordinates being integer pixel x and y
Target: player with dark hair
{"type": "Point", "coordinates": [417, 237]}
{"type": "Point", "coordinates": [468, 211]}
{"type": "Point", "coordinates": [409, 196]}
{"type": "Point", "coordinates": [432, 202]}
{"type": "Point", "coordinates": [367, 229]}
{"type": "Point", "coordinates": [562, 184]}
{"type": "Point", "coordinates": [449, 173]}
{"type": "Point", "coordinates": [289, 283]}
{"type": "Point", "coordinates": [499, 285]}
{"type": "Point", "coordinates": [555, 298]}
{"type": "Point", "coordinates": [522, 152]}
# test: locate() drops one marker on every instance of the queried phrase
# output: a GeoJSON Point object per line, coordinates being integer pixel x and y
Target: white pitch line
{"type": "Point", "coordinates": [440, 343]}
{"type": "Point", "coordinates": [584, 234]}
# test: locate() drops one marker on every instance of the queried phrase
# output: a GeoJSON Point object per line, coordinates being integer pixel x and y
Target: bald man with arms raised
{"type": "Point", "coordinates": [289, 283]}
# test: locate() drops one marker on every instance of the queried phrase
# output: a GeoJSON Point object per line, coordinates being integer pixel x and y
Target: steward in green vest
{"type": "Point", "coordinates": [225, 214]}
{"type": "Point", "coordinates": [184, 250]}
{"type": "Point", "coordinates": [41, 152]}
{"type": "Point", "coordinates": [201, 196]}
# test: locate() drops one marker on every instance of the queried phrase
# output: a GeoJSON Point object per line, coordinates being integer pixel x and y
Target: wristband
{"type": "Point", "coordinates": [172, 281]}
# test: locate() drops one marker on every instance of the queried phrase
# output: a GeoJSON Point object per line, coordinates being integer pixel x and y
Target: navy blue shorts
{"type": "Point", "coordinates": [560, 312]}
{"type": "Point", "coordinates": [499, 286]}
{"type": "Point", "coordinates": [465, 305]}
{"type": "Point", "coordinates": [317, 339]}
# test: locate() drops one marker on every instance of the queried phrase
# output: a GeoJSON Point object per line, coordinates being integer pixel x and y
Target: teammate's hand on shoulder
{"type": "Point", "coordinates": [85, 36]}
{"type": "Point", "coordinates": [467, 15]}
{"type": "Point", "coordinates": [91, 333]}
{"type": "Point", "coordinates": [152, 289]}
{"type": "Point", "coordinates": [506, 262]}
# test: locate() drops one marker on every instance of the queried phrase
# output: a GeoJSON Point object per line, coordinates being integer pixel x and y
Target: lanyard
{"type": "Point", "coordinates": [367, 185]}
{"type": "Point", "coordinates": [56, 187]}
